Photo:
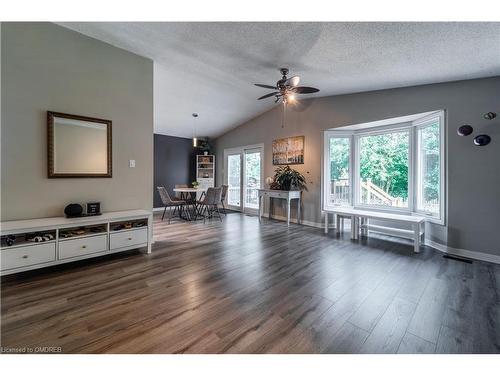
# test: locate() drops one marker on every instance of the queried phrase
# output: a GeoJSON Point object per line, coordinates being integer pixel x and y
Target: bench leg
{"type": "Point", "coordinates": [356, 221]}
{"type": "Point", "coordinates": [354, 225]}
{"type": "Point", "coordinates": [416, 238]}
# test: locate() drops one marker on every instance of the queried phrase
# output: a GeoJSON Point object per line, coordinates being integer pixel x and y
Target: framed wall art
{"type": "Point", "coordinates": [288, 150]}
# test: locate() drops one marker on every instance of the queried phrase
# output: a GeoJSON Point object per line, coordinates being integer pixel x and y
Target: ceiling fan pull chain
{"type": "Point", "coordinates": [284, 114]}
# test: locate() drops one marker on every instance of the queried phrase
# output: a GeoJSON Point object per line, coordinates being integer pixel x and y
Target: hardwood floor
{"type": "Point", "coordinates": [241, 287]}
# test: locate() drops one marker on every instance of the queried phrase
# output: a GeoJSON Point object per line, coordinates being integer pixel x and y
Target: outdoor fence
{"type": "Point", "coordinates": [372, 194]}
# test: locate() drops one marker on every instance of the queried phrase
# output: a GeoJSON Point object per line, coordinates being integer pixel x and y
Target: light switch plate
{"type": "Point", "coordinates": [131, 163]}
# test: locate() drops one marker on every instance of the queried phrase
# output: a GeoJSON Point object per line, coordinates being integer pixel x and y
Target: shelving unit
{"type": "Point", "coordinates": [205, 170]}
{"type": "Point", "coordinates": [74, 239]}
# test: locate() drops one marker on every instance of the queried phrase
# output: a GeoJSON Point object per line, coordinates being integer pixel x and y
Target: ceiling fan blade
{"type": "Point", "coordinates": [268, 95]}
{"type": "Point", "coordinates": [292, 81]}
{"type": "Point", "coordinates": [265, 86]}
{"type": "Point", "coordinates": [304, 90]}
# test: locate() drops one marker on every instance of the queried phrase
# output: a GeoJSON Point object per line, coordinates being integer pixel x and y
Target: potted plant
{"type": "Point", "coordinates": [195, 184]}
{"type": "Point", "coordinates": [286, 178]}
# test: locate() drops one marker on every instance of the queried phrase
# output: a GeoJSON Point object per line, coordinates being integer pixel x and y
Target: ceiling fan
{"type": "Point", "coordinates": [286, 88]}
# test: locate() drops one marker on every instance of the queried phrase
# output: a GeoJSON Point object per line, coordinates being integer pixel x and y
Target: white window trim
{"type": "Point", "coordinates": [413, 160]}
{"type": "Point", "coordinates": [418, 124]}
{"type": "Point", "coordinates": [327, 167]}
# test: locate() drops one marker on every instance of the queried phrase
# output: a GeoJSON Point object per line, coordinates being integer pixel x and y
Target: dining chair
{"type": "Point", "coordinates": [179, 196]}
{"type": "Point", "coordinates": [170, 203]}
{"type": "Point", "coordinates": [210, 204]}
{"type": "Point", "coordinates": [223, 198]}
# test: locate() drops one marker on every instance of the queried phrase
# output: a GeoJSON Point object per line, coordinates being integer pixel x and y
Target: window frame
{"type": "Point", "coordinates": [327, 165]}
{"type": "Point", "coordinates": [398, 128]}
{"type": "Point", "coordinates": [414, 179]}
{"type": "Point", "coordinates": [420, 124]}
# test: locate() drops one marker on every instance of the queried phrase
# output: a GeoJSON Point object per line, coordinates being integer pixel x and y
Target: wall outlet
{"type": "Point", "coordinates": [131, 163]}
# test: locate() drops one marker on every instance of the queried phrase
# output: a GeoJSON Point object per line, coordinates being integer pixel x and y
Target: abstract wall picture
{"type": "Point", "coordinates": [288, 150]}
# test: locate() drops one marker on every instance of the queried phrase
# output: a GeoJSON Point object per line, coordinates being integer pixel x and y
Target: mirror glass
{"type": "Point", "coordinates": [79, 147]}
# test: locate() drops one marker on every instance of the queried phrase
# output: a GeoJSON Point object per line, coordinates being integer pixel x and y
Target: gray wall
{"type": "Point", "coordinates": [47, 67]}
{"type": "Point", "coordinates": [174, 163]}
{"type": "Point", "coordinates": [473, 219]}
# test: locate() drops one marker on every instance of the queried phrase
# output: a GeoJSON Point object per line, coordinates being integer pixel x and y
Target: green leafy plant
{"type": "Point", "coordinates": [287, 178]}
{"type": "Point", "coordinates": [195, 184]}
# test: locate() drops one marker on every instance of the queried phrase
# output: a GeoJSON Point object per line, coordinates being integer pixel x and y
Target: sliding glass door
{"type": "Point", "coordinates": [233, 162]}
{"type": "Point", "coordinates": [243, 175]}
{"type": "Point", "coordinates": [252, 177]}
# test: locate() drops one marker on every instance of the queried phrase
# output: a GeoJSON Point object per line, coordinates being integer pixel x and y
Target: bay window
{"type": "Point", "coordinates": [396, 166]}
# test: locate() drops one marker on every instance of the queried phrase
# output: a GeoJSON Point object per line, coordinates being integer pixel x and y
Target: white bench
{"type": "Point", "coordinates": [359, 220]}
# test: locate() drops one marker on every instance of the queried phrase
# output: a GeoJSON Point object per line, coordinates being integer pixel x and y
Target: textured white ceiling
{"type": "Point", "coordinates": [210, 68]}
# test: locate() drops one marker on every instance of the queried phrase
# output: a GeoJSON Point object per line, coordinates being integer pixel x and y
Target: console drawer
{"type": "Point", "coordinates": [30, 255]}
{"type": "Point", "coordinates": [82, 246]}
{"type": "Point", "coordinates": [128, 238]}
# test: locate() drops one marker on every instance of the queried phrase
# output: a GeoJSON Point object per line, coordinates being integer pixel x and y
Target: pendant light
{"type": "Point", "coordinates": [195, 140]}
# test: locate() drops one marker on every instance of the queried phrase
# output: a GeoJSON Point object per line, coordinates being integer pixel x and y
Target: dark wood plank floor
{"type": "Point", "coordinates": [242, 287]}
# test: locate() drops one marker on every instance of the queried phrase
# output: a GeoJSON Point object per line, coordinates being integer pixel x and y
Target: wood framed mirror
{"type": "Point", "coordinates": [78, 146]}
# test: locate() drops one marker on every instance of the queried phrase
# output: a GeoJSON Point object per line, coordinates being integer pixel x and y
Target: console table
{"type": "Point", "coordinates": [288, 195]}
{"type": "Point", "coordinates": [72, 239]}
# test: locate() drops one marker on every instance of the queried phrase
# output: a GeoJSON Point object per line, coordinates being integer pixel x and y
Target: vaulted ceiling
{"type": "Point", "coordinates": [210, 68]}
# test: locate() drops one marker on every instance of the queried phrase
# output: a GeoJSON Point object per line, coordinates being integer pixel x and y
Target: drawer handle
{"type": "Point", "coordinates": [25, 257]}
{"type": "Point", "coordinates": [130, 238]}
{"type": "Point", "coordinates": [84, 246]}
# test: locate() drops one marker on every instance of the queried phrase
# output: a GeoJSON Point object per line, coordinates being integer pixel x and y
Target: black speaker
{"type": "Point", "coordinates": [73, 210]}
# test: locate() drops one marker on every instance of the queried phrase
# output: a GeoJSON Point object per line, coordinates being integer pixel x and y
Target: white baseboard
{"type": "Point", "coordinates": [464, 253]}
{"type": "Point", "coordinates": [435, 245]}
{"type": "Point", "coordinates": [294, 220]}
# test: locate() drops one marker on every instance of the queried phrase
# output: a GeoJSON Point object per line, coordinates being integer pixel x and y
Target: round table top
{"type": "Point", "coordinates": [189, 190]}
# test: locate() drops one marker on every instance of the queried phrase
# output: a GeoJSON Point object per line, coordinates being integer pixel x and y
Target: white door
{"type": "Point", "coordinates": [244, 175]}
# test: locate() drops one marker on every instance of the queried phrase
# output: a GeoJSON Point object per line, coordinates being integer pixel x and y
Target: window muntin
{"type": "Point", "coordinates": [339, 182]}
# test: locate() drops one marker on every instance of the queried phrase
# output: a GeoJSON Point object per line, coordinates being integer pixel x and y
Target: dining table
{"type": "Point", "coordinates": [190, 194]}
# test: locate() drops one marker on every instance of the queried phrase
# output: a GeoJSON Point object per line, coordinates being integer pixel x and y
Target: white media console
{"type": "Point", "coordinates": [73, 239]}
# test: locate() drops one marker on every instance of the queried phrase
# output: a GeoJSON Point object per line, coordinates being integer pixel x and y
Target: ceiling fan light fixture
{"type": "Point", "coordinates": [293, 81]}
{"type": "Point", "coordinates": [286, 88]}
